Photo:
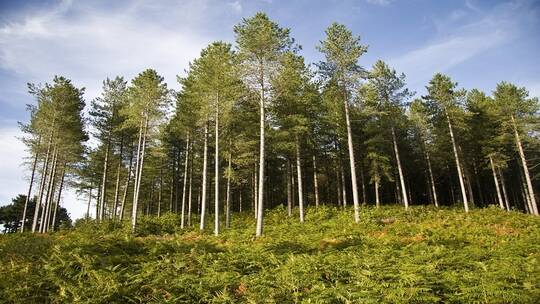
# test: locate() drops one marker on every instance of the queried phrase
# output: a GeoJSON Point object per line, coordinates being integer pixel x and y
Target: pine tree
{"type": "Point", "coordinates": [342, 51]}
{"type": "Point", "coordinates": [147, 97]}
{"type": "Point", "coordinates": [260, 42]}
{"type": "Point", "coordinates": [443, 97]}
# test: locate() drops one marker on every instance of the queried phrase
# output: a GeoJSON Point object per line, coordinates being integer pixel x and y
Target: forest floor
{"type": "Point", "coordinates": [423, 255]}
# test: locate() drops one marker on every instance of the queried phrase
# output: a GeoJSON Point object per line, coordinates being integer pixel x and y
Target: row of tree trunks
{"type": "Point", "coordinates": [43, 181]}
{"type": "Point", "coordinates": [139, 170]}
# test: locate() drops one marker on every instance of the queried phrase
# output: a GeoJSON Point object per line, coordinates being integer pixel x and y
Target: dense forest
{"type": "Point", "coordinates": [254, 126]}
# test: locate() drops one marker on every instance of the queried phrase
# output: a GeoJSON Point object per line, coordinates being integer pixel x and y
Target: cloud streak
{"type": "Point", "coordinates": [455, 43]}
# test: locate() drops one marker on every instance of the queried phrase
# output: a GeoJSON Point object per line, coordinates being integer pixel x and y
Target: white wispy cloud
{"type": "Point", "coordinates": [236, 6]}
{"type": "Point", "coordinates": [95, 44]}
{"type": "Point", "coordinates": [87, 44]}
{"type": "Point", "coordinates": [456, 43]}
{"type": "Point", "coordinates": [380, 2]}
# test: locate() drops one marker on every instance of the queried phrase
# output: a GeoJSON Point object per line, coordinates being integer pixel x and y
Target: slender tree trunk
{"type": "Point", "coordinates": [182, 216]}
{"type": "Point", "coordinates": [176, 183]}
{"type": "Point", "coordinates": [160, 192]}
{"type": "Point", "coordinates": [205, 161]}
{"type": "Point", "coordinates": [364, 200]}
{"type": "Point", "coordinates": [299, 176]}
{"type": "Point", "coordinates": [89, 202]}
{"type": "Point", "coordinates": [256, 192]}
{"type": "Point", "coordinates": [377, 201]}
{"type": "Point", "coordinates": [315, 181]}
{"type": "Point", "coordinates": [97, 200]}
{"type": "Point", "coordinates": [34, 164]}
{"type": "Point", "coordinates": [432, 180]}
{"type": "Point", "coordinates": [289, 190]}
{"type": "Point", "coordinates": [216, 173]}
{"type": "Point", "coordinates": [458, 163]}
{"type": "Point", "coordinates": [496, 181]}
{"type": "Point", "coordinates": [343, 187]}
{"type": "Point", "coordinates": [128, 179]}
{"type": "Point", "coordinates": [117, 186]}
{"type": "Point", "coordinates": [228, 199]}
{"type": "Point", "coordinates": [43, 181]}
{"type": "Point", "coordinates": [172, 183]}
{"type": "Point", "coordinates": [58, 198]}
{"type": "Point", "coordinates": [526, 196]}
{"type": "Point", "coordinates": [530, 189]}
{"type": "Point", "coordinates": [240, 201]}
{"type": "Point", "coordinates": [190, 191]}
{"type": "Point", "coordinates": [338, 184]}
{"type": "Point", "coordinates": [400, 170]}
{"type": "Point", "coordinates": [260, 201]}
{"type": "Point", "coordinates": [503, 187]}
{"type": "Point", "coordinates": [104, 181]}
{"type": "Point", "coordinates": [352, 164]}
{"type": "Point", "coordinates": [478, 186]}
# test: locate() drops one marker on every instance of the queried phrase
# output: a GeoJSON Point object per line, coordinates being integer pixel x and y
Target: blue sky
{"type": "Point", "coordinates": [478, 43]}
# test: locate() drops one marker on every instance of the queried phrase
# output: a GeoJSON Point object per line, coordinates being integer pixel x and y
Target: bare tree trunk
{"type": "Point", "coordinates": [104, 182]}
{"type": "Point", "coordinates": [496, 181]}
{"type": "Point", "coordinates": [260, 201]}
{"type": "Point", "coordinates": [364, 200]}
{"type": "Point", "coordinates": [182, 216]}
{"type": "Point", "coordinates": [117, 186]}
{"type": "Point", "coordinates": [299, 176]}
{"type": "Point", "coordinates": [240, 201]}
{"type": "Point", "coordinates": [343, 188]}
{"type": "Point", "coordinates": [160, 192]}
{"type": "Point", "coordinates": [458, 164]}
{"type": "Point", "coordinates": [34, 164]}
{"type": "Point", "coordinates": [124, 197]}
{"type": "Point", "coordinates": [289, 190]}
{"type": "Point", "coordinates": [89, 202]}
{"type": "Point", "coordinates": [315, 181]}
{"type": "Point", "coordinates": [190, 191]}
{"type": "Point", "coordinates": [352, 164]}
{"type": "Point", "coordinates": [503, 187]}
{"type": "Point", "coordinates": [526, 197]}
{"type": "Point", "coordinates": [377, 201]}
{"type": "Point", "coordinates": [530, 189]}
{"type": "Point", "coordinates": [432, 180]}
{"type": "Point", "coordinates": [256, 192]}
{"type": "Point", "coordinates": [205, 161]}
{"type": "Point", "coordinates": [97, 200]}
{"type": "Point", "coordinates": [176, 184]}
{"type": "Point", "coordinates": [228, 199]}
{"type": "Point", "coordinates": [58, 198]}
{"type": "Point", "coordinates": [338, 184]}
{"type": "Point", "coordinates": [172, 183]}
{"type": "Point", "coordinates": [400, 170]}
{"type": "Point", "coordinates": [216, 174]}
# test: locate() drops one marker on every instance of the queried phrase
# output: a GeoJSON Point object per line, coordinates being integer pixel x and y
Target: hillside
{"type": "Point", "coordinates": [424, 255]}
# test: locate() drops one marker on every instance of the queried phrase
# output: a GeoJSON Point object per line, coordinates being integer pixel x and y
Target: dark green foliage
{"type": "Point", "coordinates": [10, 215]}
{"type": "Point", "coordinates": [424, 255]}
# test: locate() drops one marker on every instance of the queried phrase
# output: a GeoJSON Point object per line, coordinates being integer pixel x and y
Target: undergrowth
{"type": "Point", "coordinates": [423, 255]}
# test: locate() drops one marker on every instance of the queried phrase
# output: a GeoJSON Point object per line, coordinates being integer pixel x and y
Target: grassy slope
{"type": "Point", "coordinates": [425, 256]}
